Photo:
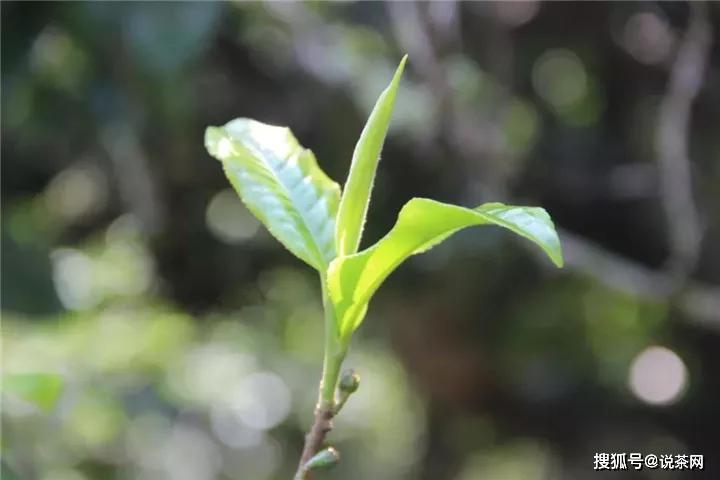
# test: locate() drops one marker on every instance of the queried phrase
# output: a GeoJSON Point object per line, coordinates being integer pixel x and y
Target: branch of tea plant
{"type": "Point", "coordinates": [314, 441]}
{"type": "Point", "coordinates": [325, 409]}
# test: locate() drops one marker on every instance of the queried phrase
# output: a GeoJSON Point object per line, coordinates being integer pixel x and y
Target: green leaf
{"type": "Point", "coordinates": [423, 223]}
{"type": "Point", "coordinates": [356, 193]}
{"type": "Point", "coordinates": [281, 183]}
{"type": "Point", "coordinates": [42, 389]}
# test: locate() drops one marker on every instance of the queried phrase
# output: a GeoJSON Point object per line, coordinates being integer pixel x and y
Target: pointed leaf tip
{"type": "Point", "coordinates": [401, 67]}
{"type": "Point", "coordinates": [422, 224]}
{"type": "Point", "coordinates": [358, 187]}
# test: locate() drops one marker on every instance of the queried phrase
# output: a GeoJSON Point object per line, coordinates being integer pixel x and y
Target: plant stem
{"type": "Point", "coordinates": [325, 408]}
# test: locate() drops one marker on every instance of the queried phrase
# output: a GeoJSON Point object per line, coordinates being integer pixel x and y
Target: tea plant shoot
{"type": "Point", "coordinates": [282, 184]}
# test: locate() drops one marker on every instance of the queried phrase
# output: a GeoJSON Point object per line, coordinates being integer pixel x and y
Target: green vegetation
{"type": "Point", "coordinates": [188, 340]}
{"type": "Point", "coordinates": [282, 184]}
{"type": "Point", "coordinates": [42, 389]}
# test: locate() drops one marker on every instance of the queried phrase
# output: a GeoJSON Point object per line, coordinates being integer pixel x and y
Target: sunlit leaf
{"type": "Point", "coordinates": [423, 223]}
{"type": "Point", "coordinates": [42, 389]}
{"type": "Point", "coordinates": [281, 184]}
{"type": "Point", "coordinates": [357, 189]}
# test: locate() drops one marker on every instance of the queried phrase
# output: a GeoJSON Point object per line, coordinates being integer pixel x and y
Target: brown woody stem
{"type": "Point", "coordinates": [325, 409]}
{"type": "Point", "coordinates": [314, 441]}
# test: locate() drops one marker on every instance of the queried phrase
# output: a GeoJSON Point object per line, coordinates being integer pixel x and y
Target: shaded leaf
{"type": "Point", "coordinates": [281, 184]}
{"type": "Point", "coordinates": [358, 187]}
{"type": "Point", "coordinates": [421, 224]}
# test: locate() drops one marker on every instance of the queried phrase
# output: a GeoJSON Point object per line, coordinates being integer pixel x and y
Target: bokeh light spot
{"type": "Point", "coordinates": [658, 376]}
{"type": "Point", "coordinates": [57, 59]}
{"type": "Point", "coordinates": [647, 38]}
{"type": "Point", "coordinates": [190, 454]}
{"type": "Point", "coordinates": [517, 13]}
{"type": "Point", "coordinates": [520, 125]}
{"type": "Point", "coordinates": [72, 272]}
{"type": "Point", "coordinates": [77, 192]}
{"type": "Point", "coordinates": [559, 77]}
{"type": "Point", "coordinates": [228, 219]}
{"type": "Point", "coordinates": [232, 431]}
{"type": "Point", "coordinates": [261, 401]}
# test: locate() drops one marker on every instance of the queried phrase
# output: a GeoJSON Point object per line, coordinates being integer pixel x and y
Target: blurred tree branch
{"type": "Point", "coordinates": [700, 302]}
{"type": "Point", "coordinates": [474, 139]}
{"type": "Point", "coordinates": [685, 229]}
{"type": "Point", "coordinates": [135, 180]}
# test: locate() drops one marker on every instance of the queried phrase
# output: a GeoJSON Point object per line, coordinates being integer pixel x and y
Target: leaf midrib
{"type": "Point", "coordinates": [256, 148]}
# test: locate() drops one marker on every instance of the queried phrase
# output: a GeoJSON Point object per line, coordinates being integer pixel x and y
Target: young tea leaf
{"type": "Point", "coordinates": [356, 193]}
{"type": "Point", "coordinates": [423, 223]}
{"type": "Point", "coordinates": [42, 389]}
{"type": "Point", "coordinates": [281, 184]}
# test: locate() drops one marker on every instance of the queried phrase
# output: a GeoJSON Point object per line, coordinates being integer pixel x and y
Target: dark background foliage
{"type": "Point", "coordinates": [189, 340]}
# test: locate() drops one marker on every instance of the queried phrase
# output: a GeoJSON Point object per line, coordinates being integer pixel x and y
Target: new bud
{"type": "Point", "coordinates": [323, 459]}
{"type": "Point", "coordinates": [349, 382]}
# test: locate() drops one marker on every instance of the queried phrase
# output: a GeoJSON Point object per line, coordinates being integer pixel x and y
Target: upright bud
{"type": "Point", "coordinates": [349, 382]}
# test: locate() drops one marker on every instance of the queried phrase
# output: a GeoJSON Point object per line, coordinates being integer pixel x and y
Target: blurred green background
{"type": "Point", "coordinates": [188, 339]}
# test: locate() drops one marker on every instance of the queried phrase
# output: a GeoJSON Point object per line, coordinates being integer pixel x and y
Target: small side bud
{"type": "Point", "coordinates": [323, 459]}
{"type": "Point", "coordinates": [349, 382]}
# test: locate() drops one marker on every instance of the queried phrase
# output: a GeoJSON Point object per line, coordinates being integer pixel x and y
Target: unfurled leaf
{"type": "Point", "coordinates": [357, 189]}
{"type": "Point", "coordinates": [281, 184]}
{"type": "Point", "coordinates": [423, 223]}
{"type": "Point", "coordinates": [42, 389]}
